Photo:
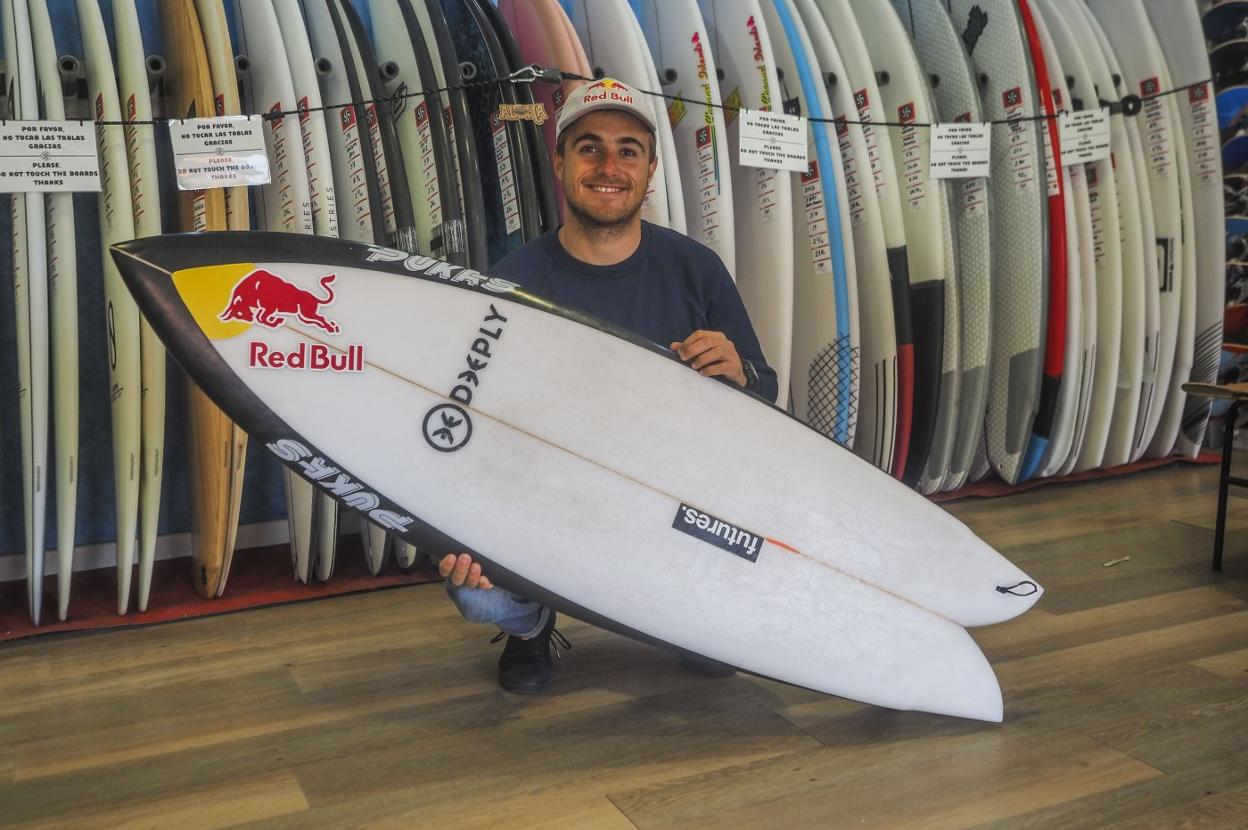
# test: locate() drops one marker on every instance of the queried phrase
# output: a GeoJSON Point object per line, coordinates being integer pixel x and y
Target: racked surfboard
{"type": "Point", "coordinates": [941, 52]}
{"type": "Point", "coordinates": [993, 35]}
{"type": "Point", "coordinates": [875, 436]}
{"type": "Point", "coordinates": [62, 314]}
{"type": "Point", "coordinates": [928, 229]}
{"type": "Point", "coordinates": [1178, 29]}
{"type": "Point", "coordinates": [614, 45]}
{"type": "Point", "coordinates": [679, 45]}
{"type": "Point", "coordinates": [30, 283]}
{"type": "Point", "coordinates": [838, 18]}
{"type": "Point", "coordinates": [825, 290]}
{"type": "Point", "coordinates": [1106, 251]}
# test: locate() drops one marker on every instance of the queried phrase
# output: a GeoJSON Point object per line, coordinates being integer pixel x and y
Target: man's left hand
{"type": "Point", "coordinates": [712, 354]}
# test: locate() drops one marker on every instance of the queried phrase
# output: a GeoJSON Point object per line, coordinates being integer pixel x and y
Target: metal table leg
{"type": "Point", "coordinates": [1224, 483]}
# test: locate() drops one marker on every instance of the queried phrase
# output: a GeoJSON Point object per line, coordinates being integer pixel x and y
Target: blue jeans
{"type": "Point", "coordinates": [512, 613]}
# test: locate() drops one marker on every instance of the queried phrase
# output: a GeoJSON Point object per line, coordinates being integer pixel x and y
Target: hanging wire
{"type": "Point", "coordinates": [1130, 105]}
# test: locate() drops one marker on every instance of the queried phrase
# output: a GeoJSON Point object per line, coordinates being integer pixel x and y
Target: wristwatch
{"type": "Point", "coordinates": [751, 375]}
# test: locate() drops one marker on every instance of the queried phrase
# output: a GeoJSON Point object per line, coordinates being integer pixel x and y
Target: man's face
{"type": "Point", "coordinates": [605, 167]}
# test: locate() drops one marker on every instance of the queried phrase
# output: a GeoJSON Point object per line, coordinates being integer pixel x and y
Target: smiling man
{"type": "Point", "coordinates": [608, 262]}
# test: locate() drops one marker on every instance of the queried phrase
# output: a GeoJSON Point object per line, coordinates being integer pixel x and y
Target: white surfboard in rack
{"type": "Point", "coordinates": [600, 495]}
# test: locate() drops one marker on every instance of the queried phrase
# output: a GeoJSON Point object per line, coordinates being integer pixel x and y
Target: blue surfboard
{"type": "Point", "coordinates": [810, 79]}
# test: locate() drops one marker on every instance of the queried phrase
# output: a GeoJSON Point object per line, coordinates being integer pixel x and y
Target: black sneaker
{"type": "Point", "coordinates": [525, 667]}
{"type": "Point", "coordinates": [705, 667]}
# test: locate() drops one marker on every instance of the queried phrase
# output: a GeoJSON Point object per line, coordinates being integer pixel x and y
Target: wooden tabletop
{"type": "Point", "coordinates": [1230, 391]}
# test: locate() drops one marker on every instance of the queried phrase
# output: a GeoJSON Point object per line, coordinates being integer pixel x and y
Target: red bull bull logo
{"type": "Point", "coordinates": [265, 298]}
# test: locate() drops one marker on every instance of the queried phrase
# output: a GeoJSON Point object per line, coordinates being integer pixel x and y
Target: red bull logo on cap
{"type": "Point", "coordinates": [609, 90]}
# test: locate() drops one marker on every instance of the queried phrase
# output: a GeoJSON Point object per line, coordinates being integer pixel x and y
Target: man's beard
{"type": "Point", "coordinates": [604, 223]}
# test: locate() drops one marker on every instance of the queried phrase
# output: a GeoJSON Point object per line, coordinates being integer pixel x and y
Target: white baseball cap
{"type": "Point", "coordinates": [605, 94]}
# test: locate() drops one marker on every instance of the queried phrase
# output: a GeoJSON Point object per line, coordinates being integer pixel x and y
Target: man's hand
{"type": "Point", "coordinates": [462, 571]}
{"type": "Point", "coordinates": [712, 354]}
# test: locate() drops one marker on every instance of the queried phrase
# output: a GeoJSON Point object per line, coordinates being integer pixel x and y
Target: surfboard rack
{"type": "Point", "coordinates": [1237, 394]}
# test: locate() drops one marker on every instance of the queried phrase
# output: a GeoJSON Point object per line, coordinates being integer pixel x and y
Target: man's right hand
{"type": "Point", "coordinates": [463, 572]}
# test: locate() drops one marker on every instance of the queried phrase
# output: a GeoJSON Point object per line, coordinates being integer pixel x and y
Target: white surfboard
{"type": "Point", "coordinates": [955, 91]}
{"type": "Point", "coordinates": [136, 105]}
{"type": "Point", "coordinates": [956, 96]}
{"type": "Point", "coordinates": [285, 204]}
{"type": "Point", "coordinates": [358, 220]}
{"type": "Point", "coordinates": [62, 299]}
{"type": "Point", "coordinates": [116, 225]}
{"type": "Point", "coordinates": [1125, 24]}
{"type": "Point", "coordinates": [1168, 426]}
{"type": "Point", "coordinates": [825, 314]}
{"type": "Point", "coordinates": [1105, 250]}
{"type": "Point", "coordinates": [30, 277]}
{"type": "Point", "coordinates": [350, 183]}
{"type": "Point", "coordinates": [324, 207]}
{"type": "Point", "coordinates": [413, 131]}
{"type": "Point", "coordinates": [928, 234]}
{"type": "Point", "coordinates": [609, 32]}
{"type": "Point", "coordinates": [654, 503]}
{"type": "Point", "coordinates": [1140, 265]}
{"type": "Point", "coordinates": [680, 47]}
{"type": "Point", "coordinates": [992, 33]}
{"type": "Point", "coordinates": [1182, 42]}
{"type": "Point", "coordinates": [876, 432]}
{"type": "Point", "coordinates": [762, 208]}
{"type": "Point", "coordinates": [840, 22]}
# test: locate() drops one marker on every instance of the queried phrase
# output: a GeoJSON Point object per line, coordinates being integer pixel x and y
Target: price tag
{"type": "Point", "coordinates": [1085, 136]}
{"type": "Point", "coordinates": [961, 151]}
{"type": "Point", "coordinates": [774, 140]}
{"type": "Point", "coordinates": [219, 152]}
{"type": "Point", "coordinates": [48, 156]}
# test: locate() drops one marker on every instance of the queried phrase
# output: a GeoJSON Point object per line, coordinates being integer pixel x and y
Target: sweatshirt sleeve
{"type": "Point", "coordinates": [729, 316]}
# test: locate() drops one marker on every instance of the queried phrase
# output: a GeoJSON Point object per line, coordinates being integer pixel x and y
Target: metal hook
{"type": "Point", "coordinates": [535, 72]}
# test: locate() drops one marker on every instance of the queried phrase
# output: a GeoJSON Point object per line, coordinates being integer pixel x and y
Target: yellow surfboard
{"type": "Point", "coordinates": [217, 448]}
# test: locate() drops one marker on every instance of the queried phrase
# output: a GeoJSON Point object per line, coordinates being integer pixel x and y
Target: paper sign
{"type": "Point", "coordinates": [48, 156]}
{"type": "Point", "coordinates": [219, 152]}
{"type": "Point", "coordinates": [961, 151]}
{"type": "Point", "coordinates": [774, 140]}
{"type": "Point", "coordinates": [1085, 136]}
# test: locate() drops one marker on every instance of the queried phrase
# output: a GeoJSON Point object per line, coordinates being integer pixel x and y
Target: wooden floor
{"type": "Point", "coordinates": [1126, 695]}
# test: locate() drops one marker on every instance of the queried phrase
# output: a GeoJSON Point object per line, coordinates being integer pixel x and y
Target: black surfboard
{"type": "Point", "coordinates": [511, 208]}
{"type": "Point", "coordinates": [543, 171]}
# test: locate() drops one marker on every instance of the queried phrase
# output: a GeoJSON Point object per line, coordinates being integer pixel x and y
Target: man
{"type": "Point", "coordinates": [606, 261]}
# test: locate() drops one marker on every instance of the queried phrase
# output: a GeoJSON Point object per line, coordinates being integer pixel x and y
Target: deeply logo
{"type": "Point", "coordinates": [265, 298]}
{"type": "Point", "coordinates": [447, 427]}
{"type": "Point", "coordinates": [707, 528]}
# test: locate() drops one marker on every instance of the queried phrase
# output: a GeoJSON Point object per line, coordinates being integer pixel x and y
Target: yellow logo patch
{"type": "Point", "coordinates": [207, 292]}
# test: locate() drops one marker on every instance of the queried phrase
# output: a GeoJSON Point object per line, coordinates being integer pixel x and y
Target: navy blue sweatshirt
{"type": "Point", "coordinates": [671, 287]}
